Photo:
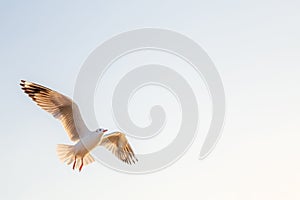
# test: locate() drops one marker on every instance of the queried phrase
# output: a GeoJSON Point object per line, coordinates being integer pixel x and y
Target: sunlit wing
{"type": "Point", "coordinates": [117, 143]}
{"type": "Point", "coordinates": [60, 106]}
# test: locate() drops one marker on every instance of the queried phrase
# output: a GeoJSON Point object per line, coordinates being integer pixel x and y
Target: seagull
{"type": "Point", "coordinates": [65, 110]}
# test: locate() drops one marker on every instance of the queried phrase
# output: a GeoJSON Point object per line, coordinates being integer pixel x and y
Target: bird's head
{"type": "Point", "coordinates": [101, 130]}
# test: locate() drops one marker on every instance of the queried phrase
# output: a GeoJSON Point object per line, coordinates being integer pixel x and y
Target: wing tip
{"type": "Point", "coordinates": [22, 83]}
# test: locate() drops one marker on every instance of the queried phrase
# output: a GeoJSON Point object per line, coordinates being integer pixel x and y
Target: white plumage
{"type": "Point", "coordinates": [64, 109]}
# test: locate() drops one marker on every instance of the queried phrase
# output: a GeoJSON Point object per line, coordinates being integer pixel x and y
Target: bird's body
{"type": "Point", "coordinates": [79, 153]}
{"type": "Point", "coordinates": [87, 144]}
{"type": "Point", "coordinates": [64, 109]}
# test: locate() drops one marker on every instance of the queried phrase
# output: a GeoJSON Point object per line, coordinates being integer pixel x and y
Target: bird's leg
{"type": "Point", "coordinates": [74, 163]}
{"type": "Point", "coordinates": [81, 164]}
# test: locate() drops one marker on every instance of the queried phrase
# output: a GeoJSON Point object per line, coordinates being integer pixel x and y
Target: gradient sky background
{"type": "Point", "coordinates": [254, 44]}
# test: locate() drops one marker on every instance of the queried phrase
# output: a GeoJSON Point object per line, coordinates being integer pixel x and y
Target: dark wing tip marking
{"type": "Point", "coordinates": [22, 83]}
{"type": "Point", "coordinates": [122, 151]}
{"type": "Point", "coordinates": [31, 88]}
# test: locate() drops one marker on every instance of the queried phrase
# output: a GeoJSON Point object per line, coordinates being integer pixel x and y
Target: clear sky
{"type": "Point", "coordinates": [254, 44]}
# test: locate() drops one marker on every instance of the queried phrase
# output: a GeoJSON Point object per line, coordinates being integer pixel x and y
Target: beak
{"type": "Point", "coordinates": [105, 130]}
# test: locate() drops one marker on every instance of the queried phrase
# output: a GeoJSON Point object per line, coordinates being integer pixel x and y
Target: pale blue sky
{"type": "Point", "coordinates": [254, 44]}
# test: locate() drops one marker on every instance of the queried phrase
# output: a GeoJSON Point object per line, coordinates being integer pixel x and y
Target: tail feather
{"type": "Point", "coordinates": [66, 154]}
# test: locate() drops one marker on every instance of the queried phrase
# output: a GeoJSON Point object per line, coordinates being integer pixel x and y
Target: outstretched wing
{"type": "Point", "coordinates": [117, 143]}
{"type": "Point", "coordinates": [60, 106]}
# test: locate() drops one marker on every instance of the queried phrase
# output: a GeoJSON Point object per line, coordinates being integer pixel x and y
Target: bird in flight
{"type": "Point", "coordinates": [65, 110]}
